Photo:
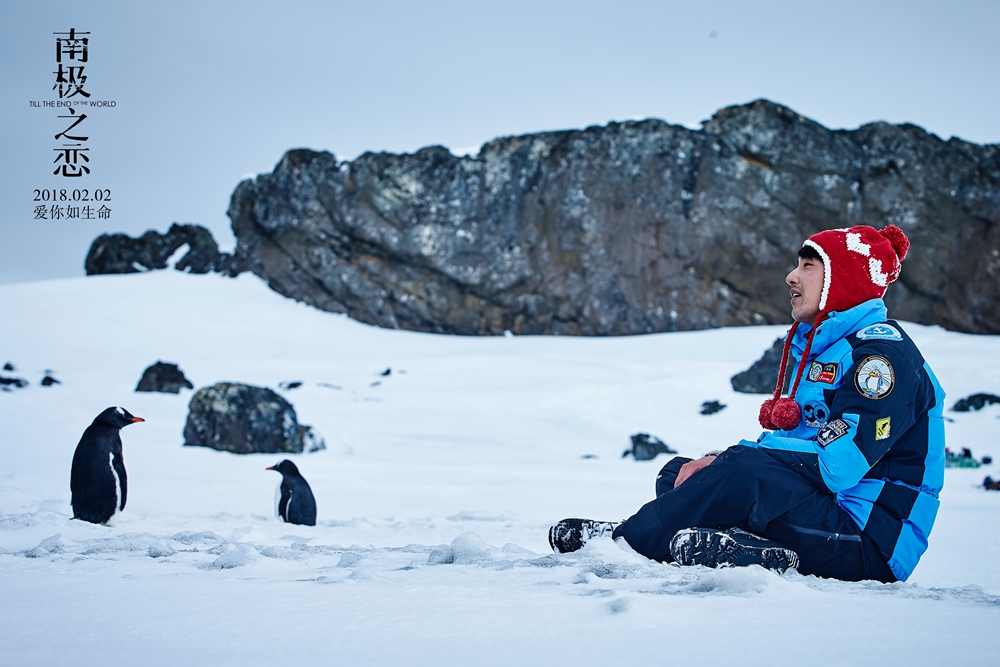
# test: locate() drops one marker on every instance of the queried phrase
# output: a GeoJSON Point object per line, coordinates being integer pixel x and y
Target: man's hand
{"type": "Point", "coordinates": [691, 467]}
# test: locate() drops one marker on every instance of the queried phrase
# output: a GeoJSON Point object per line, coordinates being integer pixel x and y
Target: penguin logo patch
{"type": "Point", "coordinates": [816, 415]}
{"type": "Point", "coordinates": [874, 378]}
{"type": "Point", "coordinates": [882, 428]}
{"type": "Point", "coordinates": [822, 372]}
{"type": "Point", "coordinates": [880, 332]}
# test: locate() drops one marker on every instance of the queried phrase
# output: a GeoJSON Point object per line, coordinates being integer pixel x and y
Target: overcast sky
{"type": "Point", "coordinates": [208, 92]}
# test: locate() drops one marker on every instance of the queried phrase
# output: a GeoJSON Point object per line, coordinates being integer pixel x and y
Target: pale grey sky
{"type": "Point", "coordinates": [208, 92]}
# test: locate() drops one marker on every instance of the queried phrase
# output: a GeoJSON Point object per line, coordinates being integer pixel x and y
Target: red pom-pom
{"type": "Point", "coordinates": [765, 414]}
{"type": "Point", "coordinates": [896, 236]}
{"type": "Point", "coordinates": [786, 414]}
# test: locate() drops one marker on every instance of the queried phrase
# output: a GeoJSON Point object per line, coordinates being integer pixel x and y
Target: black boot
{"type": "Point", "coordinates": [571, 534]}
{"type": "Point", "coordinates": [713, 547]}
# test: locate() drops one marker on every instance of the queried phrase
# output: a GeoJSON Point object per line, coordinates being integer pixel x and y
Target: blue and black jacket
{"type": "Point", "coordinates": [871, 430]}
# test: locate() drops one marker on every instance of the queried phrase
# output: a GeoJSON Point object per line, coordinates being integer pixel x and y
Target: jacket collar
{"type": "Point", "coordinates": [839, 325]}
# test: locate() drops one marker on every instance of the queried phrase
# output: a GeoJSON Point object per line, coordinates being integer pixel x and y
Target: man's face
{"type": "Point", "coordinates": [806, 283]}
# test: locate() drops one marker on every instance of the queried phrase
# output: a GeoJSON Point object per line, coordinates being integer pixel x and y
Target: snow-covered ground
{"type": "Point", "coordinates": [434, 494]}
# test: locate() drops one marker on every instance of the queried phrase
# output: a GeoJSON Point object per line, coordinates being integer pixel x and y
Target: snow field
{"type": "Point", "coordinates": [434, 495]}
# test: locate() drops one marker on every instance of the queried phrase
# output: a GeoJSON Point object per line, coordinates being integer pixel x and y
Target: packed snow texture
{"type": "Point", "coordinates": [435, 492]}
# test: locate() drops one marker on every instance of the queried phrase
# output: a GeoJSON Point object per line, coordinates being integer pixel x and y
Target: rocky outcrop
{"type": "Point", "coordinates": [312, 441]}
{"type": "Point", "coordinates": [633, 227]}
{"type": "Point", "coordinates": [975, 402]}
{"type": "Point", "coordinates": [119, 253]}
{"type": "Point", "coordinates": [711, 407]}
{"type": "Point", "coordinates": [646, 447]}
{"type": "Point", "coordinates": [163, 377]}
{"type": "Point", "coordinates": [7, 382]}
{"type": "Point", "coordinates": [242, 419]}
{"type": "Point", "coordinates": [761, 377]}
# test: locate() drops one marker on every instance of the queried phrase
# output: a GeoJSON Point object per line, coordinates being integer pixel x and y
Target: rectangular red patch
{"type": "Point", "coordinates": [826, 373]}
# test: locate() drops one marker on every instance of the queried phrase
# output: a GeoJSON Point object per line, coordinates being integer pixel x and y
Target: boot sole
{"type": "Point", "coordinates": [713, 548]}
{"type": "Point", "coordinates": [565, 537]}
{"type": "Point", "coordinates": [571, 535]}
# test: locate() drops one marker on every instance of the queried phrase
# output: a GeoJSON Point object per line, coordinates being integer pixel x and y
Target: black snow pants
{"type": "Point", "coordinates": [745, 487]}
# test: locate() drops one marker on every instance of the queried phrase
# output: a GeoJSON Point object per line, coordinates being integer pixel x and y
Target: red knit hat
{"type": "Point", "coordinates": [859, 263]}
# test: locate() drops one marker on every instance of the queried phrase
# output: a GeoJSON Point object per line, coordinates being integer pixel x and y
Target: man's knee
{"type": "Point", "coordinates": [668, 474]}
{"type": "Point", "coordinates": [742, 460]}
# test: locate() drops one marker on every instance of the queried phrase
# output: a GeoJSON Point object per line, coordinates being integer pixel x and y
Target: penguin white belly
{"type": "Point", "coordinates": [277, 502]}
{"type": "Point", "coordinates": [118, 489]}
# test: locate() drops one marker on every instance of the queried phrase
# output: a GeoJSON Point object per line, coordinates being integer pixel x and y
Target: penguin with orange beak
{"type": "Point", "coordinates": [97, 480]}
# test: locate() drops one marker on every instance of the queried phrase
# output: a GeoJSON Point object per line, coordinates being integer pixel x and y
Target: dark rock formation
{"type": "Point", "coordinates": [48, 381]}
{"type": "Point", "coordinates": [975, 402]}
{"type": "Point", "coordinates": [17, 383]}
{"type": "Point", "coordinates": [711, 407]}
{"type": "Point", "coordinates": [646, 447]}
{"type": "Point", "coordinates": [312, 441]}
{"type": "Point", "coordinates": [242, 419]}
{"type": "Point", "coordinates": [163, 377]}
{"type": "Point", "coordinates": [761, 377]}
{"type": "Point", "coordinates": [119, 253]}
{"type": "Point", "coordinates": [630, 228]}
{"type": "Point", "coordinates": [8, 366]}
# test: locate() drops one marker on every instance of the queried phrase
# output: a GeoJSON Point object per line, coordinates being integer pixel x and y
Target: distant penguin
{"type": "Point", "coordinates": [97, 480]}
{"type": "Point", "coordinates": [293, 499]}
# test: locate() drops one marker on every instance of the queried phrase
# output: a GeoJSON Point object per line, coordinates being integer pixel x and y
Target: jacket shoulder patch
{"type": "Point", "coordinates": [880, 332]}
{"type": "Point", "coordinates": [882, 427]}
{"type": "Point", "coordinates": [874, 378]}
{"type": "Point", "coordinates": [820, 372]}
{"type": "Point", "coordinates": [833, 430]}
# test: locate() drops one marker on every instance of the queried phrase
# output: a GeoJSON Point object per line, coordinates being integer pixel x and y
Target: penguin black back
{"type": "Point", "coordinates": [295, 502]}
{"type": "Point", "coordinates": [97, 479]}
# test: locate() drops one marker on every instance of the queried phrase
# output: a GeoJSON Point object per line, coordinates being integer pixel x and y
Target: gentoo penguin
{"type": "Point", "coordinates": [97, 480]}
{"type": "Point", "coordinates": [293, 499]}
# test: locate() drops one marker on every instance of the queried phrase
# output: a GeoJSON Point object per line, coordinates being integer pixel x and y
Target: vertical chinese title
{"type": "Point", "coordinates": [69, 82]}
{"type": "Point", "coordinates": [72, 159]}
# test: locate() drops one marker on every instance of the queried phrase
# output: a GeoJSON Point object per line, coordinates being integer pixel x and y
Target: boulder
{"type": "Point", "coordinates": [119, 253]}
{"type": "Point", "coordinates": [628, 228]}
{"type": "Point", "coordinates": [7, 382]}
{"type": "Point", "coordinates": [711, 407]}
{"type": "Point", "coordinates": [163, 377]}
{"type": "Point", "coordinates": [646, 447]}
{"type": "Point", "coordinates": [242, 419]}
{"type": "Point", "coordinates": [312, 441]}
{"type": "Point", "coordinates": [761, 377]}
{"type": "Point", "coordinates": [975, 402]}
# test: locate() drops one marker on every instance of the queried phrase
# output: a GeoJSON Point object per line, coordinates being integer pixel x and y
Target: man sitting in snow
{"type": "Point", "coordinates": [845, 482]}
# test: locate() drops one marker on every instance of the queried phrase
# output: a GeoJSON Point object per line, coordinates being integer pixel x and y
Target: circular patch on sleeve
{"type": "Point", "coordinates": [874, 378]}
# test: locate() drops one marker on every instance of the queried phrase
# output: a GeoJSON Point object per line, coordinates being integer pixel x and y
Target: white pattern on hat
{"type": "Point", "coordinates": [854, 243]}
{"type": "Point", "coordinates": [879, 277]}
